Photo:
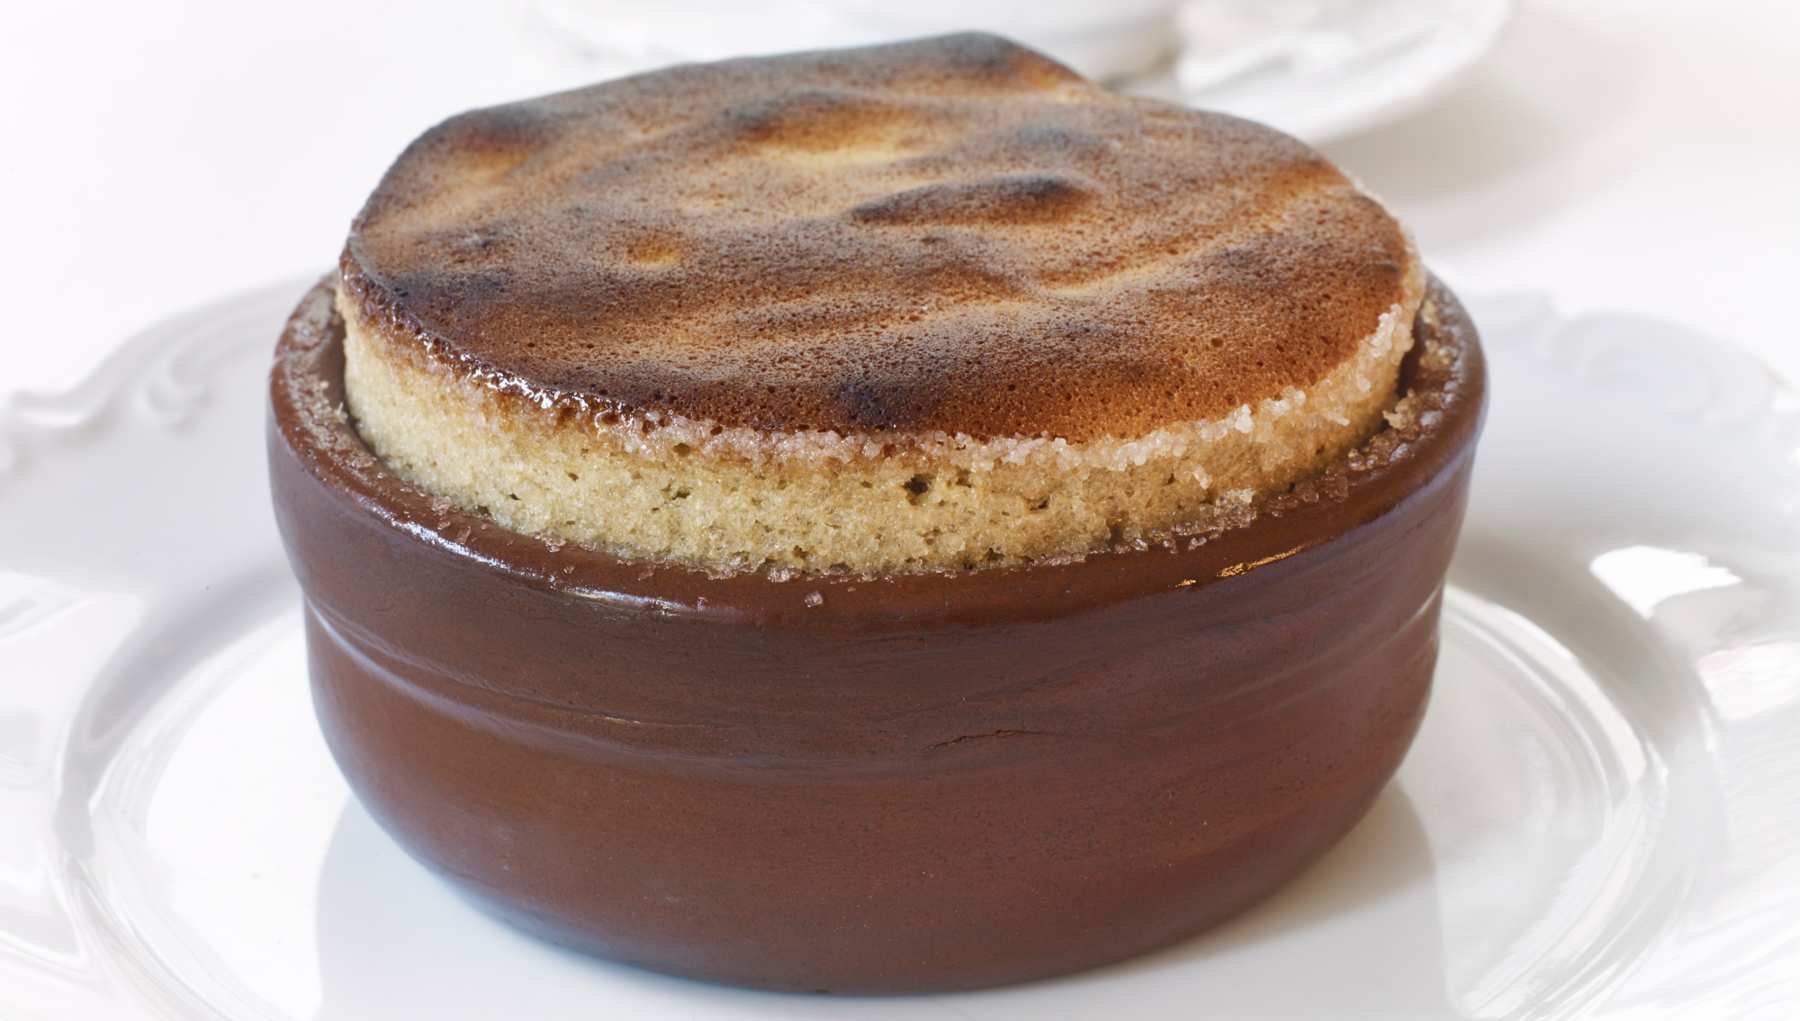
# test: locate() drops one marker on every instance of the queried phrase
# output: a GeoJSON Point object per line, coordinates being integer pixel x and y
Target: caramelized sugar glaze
{"type": "Point", "coordinates": [953, 235]}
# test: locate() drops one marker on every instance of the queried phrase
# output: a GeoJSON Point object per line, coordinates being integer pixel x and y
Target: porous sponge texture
{"type": "Point", "coordinates": [663, 487]}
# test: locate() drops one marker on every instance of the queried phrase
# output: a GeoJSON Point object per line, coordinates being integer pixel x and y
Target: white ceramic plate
{"type": "Point", "coordinates": [1326, 69]}
{"type": "Point", "coordinates": [1601, 816]}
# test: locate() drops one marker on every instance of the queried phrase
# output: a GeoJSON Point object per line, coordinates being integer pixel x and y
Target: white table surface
{"type": "Point", "coordinates": [1620, 155]}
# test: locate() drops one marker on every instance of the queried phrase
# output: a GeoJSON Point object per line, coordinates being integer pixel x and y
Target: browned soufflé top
{"type": "Point", "coordinates": [952, 235]}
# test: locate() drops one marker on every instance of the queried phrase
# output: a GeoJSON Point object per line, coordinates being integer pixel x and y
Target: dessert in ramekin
{"type": "Point", "coordinates": [882, 520]}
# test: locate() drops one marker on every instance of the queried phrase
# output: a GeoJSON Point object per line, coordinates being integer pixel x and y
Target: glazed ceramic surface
{"type": "Point", "coordinates": [1598, 818]}
{"type": "Point", "coordinates": [911, 783]}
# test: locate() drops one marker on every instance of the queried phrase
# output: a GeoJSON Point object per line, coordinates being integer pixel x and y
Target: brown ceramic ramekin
{"type": "Point", "coordinates": [912, 783]}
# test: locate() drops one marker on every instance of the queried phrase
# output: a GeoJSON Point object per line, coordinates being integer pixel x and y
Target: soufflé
{"type": "Point", "coordinates": [878, 520]}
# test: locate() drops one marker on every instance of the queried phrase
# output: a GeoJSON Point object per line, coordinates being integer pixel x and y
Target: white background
{"type": "Point", "coordinates": [1625, 156]}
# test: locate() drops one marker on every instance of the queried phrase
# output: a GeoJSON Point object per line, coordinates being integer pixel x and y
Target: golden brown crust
{"type": "Point", "coordinates": [951, 235]}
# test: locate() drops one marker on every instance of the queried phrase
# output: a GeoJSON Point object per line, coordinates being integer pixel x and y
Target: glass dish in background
{"type": "Point", "coordinates": [1318, 69]}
